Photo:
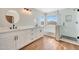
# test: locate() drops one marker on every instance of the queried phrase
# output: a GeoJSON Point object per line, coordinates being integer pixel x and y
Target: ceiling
{"type": "Point", "coordinates": [47, 10]}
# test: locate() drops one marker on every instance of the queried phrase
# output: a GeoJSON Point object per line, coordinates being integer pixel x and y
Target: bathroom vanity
{"type": "Point", "coordinates": [18, 38]}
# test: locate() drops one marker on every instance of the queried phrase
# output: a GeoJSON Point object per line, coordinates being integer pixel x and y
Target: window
{"type": "Point", "coordinates": [52, 18]}
{"type": "Point", "coordinates": [41, 20]}
{"type": "Point", "coordinates": [50, 24]}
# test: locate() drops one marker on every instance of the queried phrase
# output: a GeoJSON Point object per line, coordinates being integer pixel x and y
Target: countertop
{"type": "Point", "coordinates": [7, 29]}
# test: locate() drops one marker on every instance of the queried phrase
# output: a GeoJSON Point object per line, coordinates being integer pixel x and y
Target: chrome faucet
{"type": "Point", "coordinates": [13, 27]}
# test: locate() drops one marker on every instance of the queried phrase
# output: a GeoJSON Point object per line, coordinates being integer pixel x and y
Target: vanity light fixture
{"type": "Point", "coordinates": [28, 11]}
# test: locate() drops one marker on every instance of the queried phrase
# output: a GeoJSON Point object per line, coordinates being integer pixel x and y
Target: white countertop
{"type": "Point", "coordinates": [7, 29]}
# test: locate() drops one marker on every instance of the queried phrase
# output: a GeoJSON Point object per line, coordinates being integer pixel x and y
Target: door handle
{"type": "Point", "coordinates": [40, 30]}
{"type": "Point", "coordinates": [63, 24]}
{"type": "Point", "coordinates": [16, 38]}
{"type": "Point", "coordinates": [76, 22]}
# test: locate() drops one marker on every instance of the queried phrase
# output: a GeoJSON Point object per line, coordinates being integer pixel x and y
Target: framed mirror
{"type": "Point", "coordinates": [12, 16]}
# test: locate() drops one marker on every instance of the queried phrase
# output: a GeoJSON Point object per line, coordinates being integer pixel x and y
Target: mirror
{"type": "Point", "coordinates": [9, 19]}
{"type": "Point", "coordinates": [12, 16]}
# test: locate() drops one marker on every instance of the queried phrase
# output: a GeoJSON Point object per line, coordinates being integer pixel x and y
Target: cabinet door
{"type": "Point", "coordinates": [23, 38]}
{"type": "Point", "coordinates": [37, 33]}
{"type": "Point", "coordinates": [40, 32]}
{"type": "Point", "coordinates": [7, 42]}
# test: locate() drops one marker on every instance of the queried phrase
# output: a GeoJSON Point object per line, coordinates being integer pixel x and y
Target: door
{"type": "Point", "coordinates": [7, 41]}
{"type": "Point", "coordinates": [69, 25]}
{"type": "Point", "coordinates": [23, 38]}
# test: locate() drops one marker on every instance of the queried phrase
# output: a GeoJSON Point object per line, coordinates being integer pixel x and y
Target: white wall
{"type": "Point", "coordinates": [25, 20]}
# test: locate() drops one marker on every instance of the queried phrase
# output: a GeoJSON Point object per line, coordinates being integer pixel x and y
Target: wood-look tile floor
{"type": "Point", "coordinates": [49, 43]}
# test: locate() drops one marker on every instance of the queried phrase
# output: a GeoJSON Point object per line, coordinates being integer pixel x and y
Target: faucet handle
{"type": "Point", "coordinates": [15, 27]}
{"type": "Point", "coordinates": [10, 27]}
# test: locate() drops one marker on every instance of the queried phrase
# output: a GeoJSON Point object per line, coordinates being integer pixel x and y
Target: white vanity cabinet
{"type": "Point", "coordinates": [23, 38]}
{"type": "Point", "coordinates": [7, 41]}
{"type": "Point", "coordinates": [37, 33]}
{"type": "Point", "coordinates": [17, 39]}
{"type": "Point", "coordinates": [27, 36]}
